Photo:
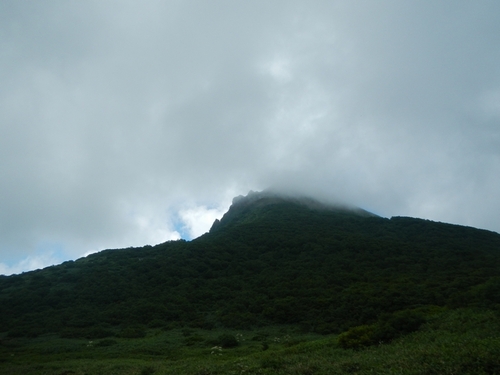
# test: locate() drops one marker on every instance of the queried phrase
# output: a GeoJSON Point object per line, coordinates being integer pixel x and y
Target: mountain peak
{"type": "Point", "coordinates": [244, 206]}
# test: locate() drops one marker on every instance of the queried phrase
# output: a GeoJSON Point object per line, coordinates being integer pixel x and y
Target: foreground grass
{"type": "Point", "coordinates": [454, 342]}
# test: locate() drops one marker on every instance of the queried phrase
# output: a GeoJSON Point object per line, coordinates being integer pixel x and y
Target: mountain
{"type": "Point", "coordinates": [251, 207]}
{"type": "Point", "coordinates": [271, 259]}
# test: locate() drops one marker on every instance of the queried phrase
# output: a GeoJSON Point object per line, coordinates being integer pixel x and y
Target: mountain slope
{"type": "Point", "coordinates": [270, 260]}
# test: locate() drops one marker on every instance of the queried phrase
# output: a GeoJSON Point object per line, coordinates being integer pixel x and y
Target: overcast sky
{"type": "Point", "coordinates": [125, 123]}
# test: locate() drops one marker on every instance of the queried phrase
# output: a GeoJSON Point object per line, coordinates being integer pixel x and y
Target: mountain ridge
{"type": "Point", "coordinates": [254, 200]}
{"type": "Point", "coordinates": [269, 261]}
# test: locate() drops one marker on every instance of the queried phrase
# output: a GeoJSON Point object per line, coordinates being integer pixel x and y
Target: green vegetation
{"type": "Point", "coordinates": [279, 285]}
{"type": "Point", "coordinates": [461, 341]}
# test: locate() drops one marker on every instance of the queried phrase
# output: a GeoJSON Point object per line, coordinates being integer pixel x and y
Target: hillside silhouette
{"type": "Point", "coordinates": [272, 259]}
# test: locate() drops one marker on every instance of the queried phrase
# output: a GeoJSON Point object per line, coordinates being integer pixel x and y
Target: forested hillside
{"type": "Point", "coordinates": [270, 260]}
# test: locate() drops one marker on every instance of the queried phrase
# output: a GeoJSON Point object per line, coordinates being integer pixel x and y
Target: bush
{"type": "Point", "coordinates": [227, 341]}
{"type": "Point", "coordinates": [357, 337]}
{"type": "Point", "coordinates": [388, 328]}
{"type": "Point", "coordinates": [193, 340]}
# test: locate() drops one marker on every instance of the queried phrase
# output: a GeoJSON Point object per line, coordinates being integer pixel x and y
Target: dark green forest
{"type": "Point", "coordinates": [270, 261]}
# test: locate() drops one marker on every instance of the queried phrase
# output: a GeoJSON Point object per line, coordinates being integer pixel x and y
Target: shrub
{"type": "Point", "coordinates": [227, 341]}
{"type": "Point", "coordinates": [357, 337]}
{"type": "Point", "coordinates": [193, 339]}
{"type": "Point", "coordinates": [390, 327]}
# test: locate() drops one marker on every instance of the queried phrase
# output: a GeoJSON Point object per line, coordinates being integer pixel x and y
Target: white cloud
{"type": "Point", "coordinates": [119, 118]}
{"type": "Point", "coordinates": [30, 263]}
{"type": "Point", "coordinates": [199, 220]}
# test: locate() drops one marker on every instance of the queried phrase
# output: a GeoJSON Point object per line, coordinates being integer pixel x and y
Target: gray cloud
{"type": "Point", "coordinates": [124, 123]}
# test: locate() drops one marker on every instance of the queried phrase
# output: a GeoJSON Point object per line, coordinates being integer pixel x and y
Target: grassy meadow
{"type": "Point", "coordinates": [462, 341]}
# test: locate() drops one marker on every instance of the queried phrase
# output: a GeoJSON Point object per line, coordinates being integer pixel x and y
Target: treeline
{"type": "Point", "coordinates": [325, 270]}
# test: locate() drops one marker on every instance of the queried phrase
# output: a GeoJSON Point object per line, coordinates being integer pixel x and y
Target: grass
{"type": "Point", "coordinates": [452, 342]}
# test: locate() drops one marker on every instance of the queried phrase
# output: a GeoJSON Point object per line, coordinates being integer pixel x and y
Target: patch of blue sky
{"type": "Point", "coordinates": [180, 227]}
{"type": "Point", "coordinates": [46, 254]}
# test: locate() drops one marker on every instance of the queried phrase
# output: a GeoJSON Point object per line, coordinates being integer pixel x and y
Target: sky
{"type": "Point", "coordinates": [125, 123]}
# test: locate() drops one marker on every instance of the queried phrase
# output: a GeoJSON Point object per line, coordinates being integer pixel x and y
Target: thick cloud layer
{"type": "Point", "coordinates": [132, 122]}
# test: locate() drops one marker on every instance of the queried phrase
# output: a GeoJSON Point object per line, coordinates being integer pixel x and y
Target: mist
{"type": "Point", "coordinates": [128, 123]}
